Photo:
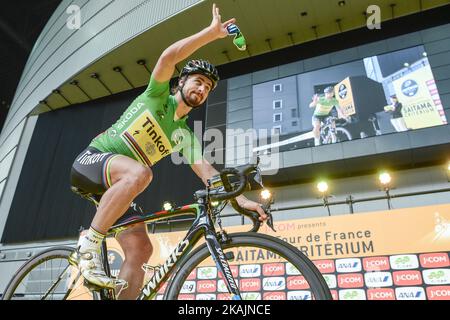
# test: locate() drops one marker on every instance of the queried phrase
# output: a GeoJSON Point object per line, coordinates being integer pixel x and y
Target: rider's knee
{"type": "Point", "coordinates": [139, 178]}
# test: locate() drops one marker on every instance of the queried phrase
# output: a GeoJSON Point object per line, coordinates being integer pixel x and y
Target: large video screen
{"type": "Point", "coordinates": [384, 94]}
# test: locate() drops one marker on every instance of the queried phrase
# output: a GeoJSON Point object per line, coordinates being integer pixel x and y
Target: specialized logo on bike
{"type": "Point", "coordinates": [146, 139]}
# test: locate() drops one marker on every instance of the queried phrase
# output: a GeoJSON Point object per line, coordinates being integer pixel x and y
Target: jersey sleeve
{"type": "Point", "coordinates": [157, 89]}
{"type": "Point", "coordinates": [192, 151]}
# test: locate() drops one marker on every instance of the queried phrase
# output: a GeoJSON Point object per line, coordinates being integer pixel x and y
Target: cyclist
{"type": "Point", "coordinates": [117, 163]}
{"type": "Point", "coordinates": [325, 107]}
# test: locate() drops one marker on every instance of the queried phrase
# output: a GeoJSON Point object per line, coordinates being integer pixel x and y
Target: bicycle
{"type": "Point", "coordinates": [332, 131]}
{"type": "Point", "coordinates": [222, 250]}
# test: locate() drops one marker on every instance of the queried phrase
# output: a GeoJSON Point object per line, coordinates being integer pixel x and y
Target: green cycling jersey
{"type": "Point", "coordinates": [324, 106]}
{"type": "Point", "coordinates": [147, 131]}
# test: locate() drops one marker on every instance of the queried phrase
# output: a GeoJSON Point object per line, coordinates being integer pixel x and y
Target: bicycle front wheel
{"type": "Point", "coordinates": [48, 276]}
{"type": "Point", "coordinates": [264, 267]}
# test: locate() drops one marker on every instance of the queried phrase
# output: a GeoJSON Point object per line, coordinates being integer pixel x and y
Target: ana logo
{"type": "Point", "coordinates": [251, 296]}
{"type": "Point", "coordinates": [342, 91]}
{"type": "Point", "coordinates": [357, 294]}
{"type": "Point", "coordinates": [378, 279]}
{"type": "Point", "coordinates": [291, 270]}
{"type": "Point", "coordinates": [331, 280]}
{"type": "Point", "coordinates": [222, 287]}
{"type": "Point", "coordinates": [206, 297]}
{"type": "Point", "coordinates": [325, 266]}
{"type": "Point", "coordinates": [250, 271]}
{"type": "Point", "coordinates": [402, 262]}
{"type": "Point", "coordinates": [188, 287]}
{"type": "Point", "coordinates": [437, 276]}
{"type": "Point", "coordinates": [348, 265]}
{"type": "Point", "coordinates": [299, 295]}
{"type": "Point", "coordinates": [250, 285]}
{"type": "Point", "coordinates": [438, 293]}
{"type": "Point", "coordinates": [206, 286]}
{"type": "Point", "coordinates": [297, 283]}
{"type": "Point", "coordinates": [434, 260]}
{"type": "Point", "coordinates": [274, 296]}
{"type": "Point", "coordinates": [273, 269]}
{"type": "Point", "coordinates": [115, 261]}
{"type": "Point", "coordinates": [350, 280]}
{"type": "Point", "coordinates": [410, 293]}
{"type": "Point", "coordinates": [207, 273]}
{"type": "Point", "coordinates": [410, 88]}
{"type": "Point", "coordinates": [381, 294]}
{"type": "Point", "coordinates": [376, 264]}
{"type": "Point", "coordinates": [274, 284]}
{"type": "Point", "coordinates": [407, 278]}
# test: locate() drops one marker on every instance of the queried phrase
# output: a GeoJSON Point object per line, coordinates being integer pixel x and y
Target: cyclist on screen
{"type": "Point", "coordinates": [117, 163]}
{"type": "Point", "coordinates": [325, 107]}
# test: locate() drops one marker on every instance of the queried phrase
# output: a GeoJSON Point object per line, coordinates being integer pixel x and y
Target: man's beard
{"type": "Point", "coordinates": [193, 101]}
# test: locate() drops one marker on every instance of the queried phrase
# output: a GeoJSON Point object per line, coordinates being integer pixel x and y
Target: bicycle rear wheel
{"type": "Point", "coordinates": [266, 268]}
{"type": "Point", "coordinates": [48, 276]}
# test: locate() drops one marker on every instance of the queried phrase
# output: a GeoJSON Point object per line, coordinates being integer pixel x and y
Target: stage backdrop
{"type": "Point", "coordinates": [391, 255]}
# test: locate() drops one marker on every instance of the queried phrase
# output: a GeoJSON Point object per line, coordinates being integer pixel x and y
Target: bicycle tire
{"type": "Point", "coordinates": [310, 272]}
{"type": "Point", "coordinates": [62, 253]}
{"type": "Point", "coordinates": [342, 131]}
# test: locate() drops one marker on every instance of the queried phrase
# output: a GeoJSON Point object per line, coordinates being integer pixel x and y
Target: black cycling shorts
{"type": "Point", "coordinates": [90, 171]}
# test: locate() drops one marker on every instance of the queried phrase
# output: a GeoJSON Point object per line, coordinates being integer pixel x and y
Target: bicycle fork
{"type": "Point", "coordinates": [222, 264]}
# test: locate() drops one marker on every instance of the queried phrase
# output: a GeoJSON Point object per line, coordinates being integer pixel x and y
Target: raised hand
{"type": "Point", "coordinates": [217, 27]}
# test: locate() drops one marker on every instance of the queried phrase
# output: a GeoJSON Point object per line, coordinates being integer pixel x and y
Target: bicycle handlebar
{"type": "Point", "coordinates": [231, 194]}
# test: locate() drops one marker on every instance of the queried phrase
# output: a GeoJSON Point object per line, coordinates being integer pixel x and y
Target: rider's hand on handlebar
{"type": "Point", "coordinates": [252, 206]}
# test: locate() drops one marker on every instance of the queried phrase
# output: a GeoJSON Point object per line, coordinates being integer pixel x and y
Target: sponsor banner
{"type": "Point", "coordinates": [250, 284]}
{"type": "Point", "coordinates": [206, 286]}
{"type": "Point", "coordinates": [348, 265]}
{"type": "Point", "coordinates": [407, 278]}
{"type": "Point", "coordinates": [334, 294]}
{"type": "Point", "coordinates": [206, 297]}
{"type": "Point", "coordinates": [222, 287]}
{"type": "Point", "coordinates": [418, 98]}
{"type": "Point", "coordinates": [376, 264]}
{"type": "Point", "coordinates": [331, 280]}
{"type": "Point", "coordinates": [378, 279]}
{"type": "Point", "coordinates": [410, 293]}
{"type": "Point", "coordinates": [436, 276]}
{"type": "Point", "coordinates": [251, 296]}
{"type": "Point", "coordinates": [224, 296]}
{"type": "Point", "coordinates": [207, 273]}
{"type": "Point", "coordinates": [297, 283]}
{"type": "Point", "coordinates": [192, 275]}
{"type": "Point", "coordinates": [273, 269]}
{"type": "Point", "coordinates": [249, 270]}
{"type": "Point", "coordinates": [186, 297]}
{"type": "Point", "coordinates": [325, 266]}
{"type": "Point", "coordinates": [351, 280]}
{"type": "Point", "coordinates": [188, 287]}
{"type": "Point", "coordinates": [274, 284]}
{"type": "Point", "coordinates": [438, 293]}
{"type": "Point", "coordinates": [299, 295]}
{"type": "Point", "coordinates": [234, 272]}
{"type": "Point", "coordinates": [434, 260]}
{"type": "Point", "coordinates": [403, 262]}
{"type": "Point", "coordinates": [352, 294]}
{"type": "Point", "coordinates": [291, 270]}
{"type": "Point", "coordinates": [274, 296]}
{"type": "Point", "coordinates": [381, 294]}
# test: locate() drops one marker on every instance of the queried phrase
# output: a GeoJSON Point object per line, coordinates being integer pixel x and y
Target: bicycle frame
{"type": "Point", "coordinates": [203, 225]}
